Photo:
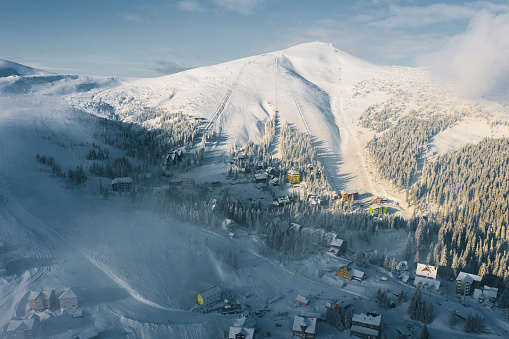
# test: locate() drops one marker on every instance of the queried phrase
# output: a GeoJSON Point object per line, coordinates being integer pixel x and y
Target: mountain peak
{"type": "Point", "coordinates": [9, 68]}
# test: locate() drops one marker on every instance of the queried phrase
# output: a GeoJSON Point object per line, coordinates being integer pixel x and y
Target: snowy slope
{"type": "Point", "coordinates": [138, 270]}
{"type": "Point", "coordinates": [9, 68]}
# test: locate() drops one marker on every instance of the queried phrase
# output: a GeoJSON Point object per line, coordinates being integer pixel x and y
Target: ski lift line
{"type": "Point", "coordinates": [223, 103]}
{"type": "Point", "coordinates": [298, 108]}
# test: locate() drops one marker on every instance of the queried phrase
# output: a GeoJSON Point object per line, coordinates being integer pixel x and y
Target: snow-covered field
{"type": "Point", "coordinates": [139, 271]}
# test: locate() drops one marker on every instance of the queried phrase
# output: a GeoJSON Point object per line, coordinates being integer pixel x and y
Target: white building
{"type": "Point", "coordinates": [69, 299]}
{"type": "Point", "coordinates": [304, 327]}
{"type": "Point", "coordinates": [241, 329]}
{"type": "Point", "coordinates": [209, 297]}
{"type": "Point", "coordinates": [429, 284]}
{"type": "Point", "coordinates": [366, 325]}
{"type": "Point", "coordinates": [426, 271]}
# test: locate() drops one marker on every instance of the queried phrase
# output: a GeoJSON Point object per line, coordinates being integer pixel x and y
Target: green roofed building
{"type": "Point", "coordinates": [378, 209]}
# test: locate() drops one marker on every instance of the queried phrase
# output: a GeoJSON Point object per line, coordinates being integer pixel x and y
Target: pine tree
{"type": "Point", "coordinates": [415, 303]}
{"type": "Point", "coordinates": [424, 333]}
{"type": "Point", "coordinates": [504, 299]}
{"type": "Point", "coordinates": [453, 319]}
{"type": "Point", "coordinates": [402, 297]}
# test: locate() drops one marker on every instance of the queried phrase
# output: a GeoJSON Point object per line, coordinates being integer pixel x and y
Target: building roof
{"type": "Point", "coordinates": [470, 278]}
{"type": "Point", "coordinates": [209, 292]}
{"type": "Point", "coordinates": [304, 324]}
{"type": "Point", "coordinates": [68, 294]}
{"type": "Point", "coordinates": [429, 282]}
{"type": "Point", "coordinates": [293, 172]}
{"type": "Point", "coordinates": [248, 332]}
{"type": "Point", "coordinates": [123, 180]}
{"type": "Point", "coordinates": [427, 271]}
{"type": "Point", "coordinates": [302, 299]}
{"type": "Point", "coordinates": [367, 319]}
{"type": "Point", "coordinates": [337, 242]}
{"type": "Point", "coordinates": [43, 294]}
{"type": "Point", "coordinates": [364, 330]}
{"type": "Point", "coordinates": [20, 325]}
{"type": "Point", "coordinates": [356, 273]}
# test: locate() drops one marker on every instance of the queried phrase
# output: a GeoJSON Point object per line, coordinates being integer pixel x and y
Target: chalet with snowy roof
{"type": "Point", "coordinates": [366, 325]}
{"type": "Point", "coordinates": [466, 283]}
{"type": "Point", "coordinates": [22, 328]}
{"type": "Point", "coordinates": [427, 284]}
{"type": "Point", "coordinates": [426, 271]}
{"type": "Point", "coordinates": [242, 329]}
{"type": "Point", "coordinates": [486, 293]}
{"type": "Point", "coordinates": [41, 300]}
{"type": "Point", "coordinates": [260, 178]}
{"type": "Point", "coordinates": [209, 297]}
{"type": "Point", "coordinates": [337, 247]}
{"type": "Point", "coordinates": [122, 184]}
{"type": "Point", "coordinates": [69, 299]}
{"type": "Point", "coordinates": [302, 300]}
{"type": "Point", "coordinates": [328, 238]}
{"type": "Point", "coordinates": [293, 176]}
{"type": "Point", "coordinates": [304, 327]}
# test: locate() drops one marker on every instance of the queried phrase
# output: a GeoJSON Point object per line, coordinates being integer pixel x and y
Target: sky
{"type": "Point", "coordinates": [151, 38]}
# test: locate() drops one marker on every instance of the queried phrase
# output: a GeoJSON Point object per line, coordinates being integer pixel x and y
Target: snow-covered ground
{"type": "Point", "coordinates": [139, 271]}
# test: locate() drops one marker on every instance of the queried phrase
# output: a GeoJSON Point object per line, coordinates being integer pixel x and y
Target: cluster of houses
{"type": "Point", "coordinates": [39, 301]}
{"type": "Point", "coordinates": [314, 236]}
{"type": "Point", "coordinates": [243, 328]}
{"type": "Point", "coordinates": [378, 207]}
{"type": "Point", "coordinates": [366, 326]}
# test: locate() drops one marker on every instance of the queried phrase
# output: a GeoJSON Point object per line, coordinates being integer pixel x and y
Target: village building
{"type": "Point", "coordinates": [41, 300]}
{"type": "Point", "coordinates": [122, 184]}
{"type": "Point", "coordinates": [328, 238]}
{"type": "Point", "coordinates": [466, 283]}
{"type": "Point", "coordinates": [22, 328]}
{"type": "Point", "coordinates": [337, 247]}
{"type": "Point", "coordinates": [302, 300]}
{"type": "Point", "coordinates": [378, 209]}
{"type": "Point", "coordinates": [293, 176]}
{"type": "Point", "coordinates": [349, 196]}
{"type": "Point", "coordinates": [68, 299]}
{"type": "Point", "coordinates": [425, 283]}
{"type": "Point", "coordinates": [402, 266]}
{"type": "Point", "coordinates": [260, 178]}
{"type": "Point", "coordinates": [209, 297]}
{"type": "Point", "coordinates": [366, 325]}
{"type": "Point", "coordinates": [304, 327]}
{"type": "Point", "coordinates": [486, 293]}
{"type": "Point", "coordinates": [241, 329]}
{"type": "Point", "coordinates": [426, 271]}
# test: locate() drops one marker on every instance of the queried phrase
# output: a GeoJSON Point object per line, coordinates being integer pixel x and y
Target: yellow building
{"type": "Point", "coordinates": [293, 176]}
{"type": "Point", "coordinates": [209, 297]}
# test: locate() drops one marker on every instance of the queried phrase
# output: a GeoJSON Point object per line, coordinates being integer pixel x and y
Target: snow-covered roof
{"type": "Point", "coordinates": [43, 294]}
{"type": "Point", "coordinates": [337, 242]}
{"type": "Point", "coordinates": [124, 180]}
{"type": "Point", "coordinates": [427, 282]}
{"type": "Point", "coordinates": [427, 271]}
{"type": "Point", "coordinates": [356, 273]}
{"type": "Point", "coordinates": [367, 319]}
{"type": "Point", "coordinates": [68, 294]}
{"type": "Point", "coordinates": [365, 330]}
{"type": "Point", "coordinates": [303, 324]}
{"type": "Point", "coordinates": [302, 299]}
{"type": "Point", "coordinates": [490, 292]}
{"type": "Point", "coordinates": [477, 293]}
{"type": "Point", "coordinates": [404, 277]}
{"type": "Point", "coordinates": [248, 332]}
{"type": "Point", "coordinates": [20, 325]}
{"type": "Point", "coordinates": [470, 278]}
{"type": "Point", "coordinates": [293, 172]}
{"type": "Point", "coordinates": [209, 292]}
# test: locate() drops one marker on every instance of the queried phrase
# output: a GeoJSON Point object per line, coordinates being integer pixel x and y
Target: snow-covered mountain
{"type": "Point", "coordinates": [138, 270]}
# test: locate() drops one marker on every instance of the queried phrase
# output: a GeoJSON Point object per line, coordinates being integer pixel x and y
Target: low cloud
{"type": "Point", "coordinates": [131, 17]}
{"type": "Point", "coordinates": [241, 6]}
{"type": "Point", "coordinates": [478, 59]}
{"type": "Point", "coordinates": [169, 67]}
{"type": "Point", "coordinates": [190, 6]}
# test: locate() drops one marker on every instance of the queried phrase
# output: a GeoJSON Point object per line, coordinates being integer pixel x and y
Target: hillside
{"type": "Point", "coordinates": [139, 259]}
